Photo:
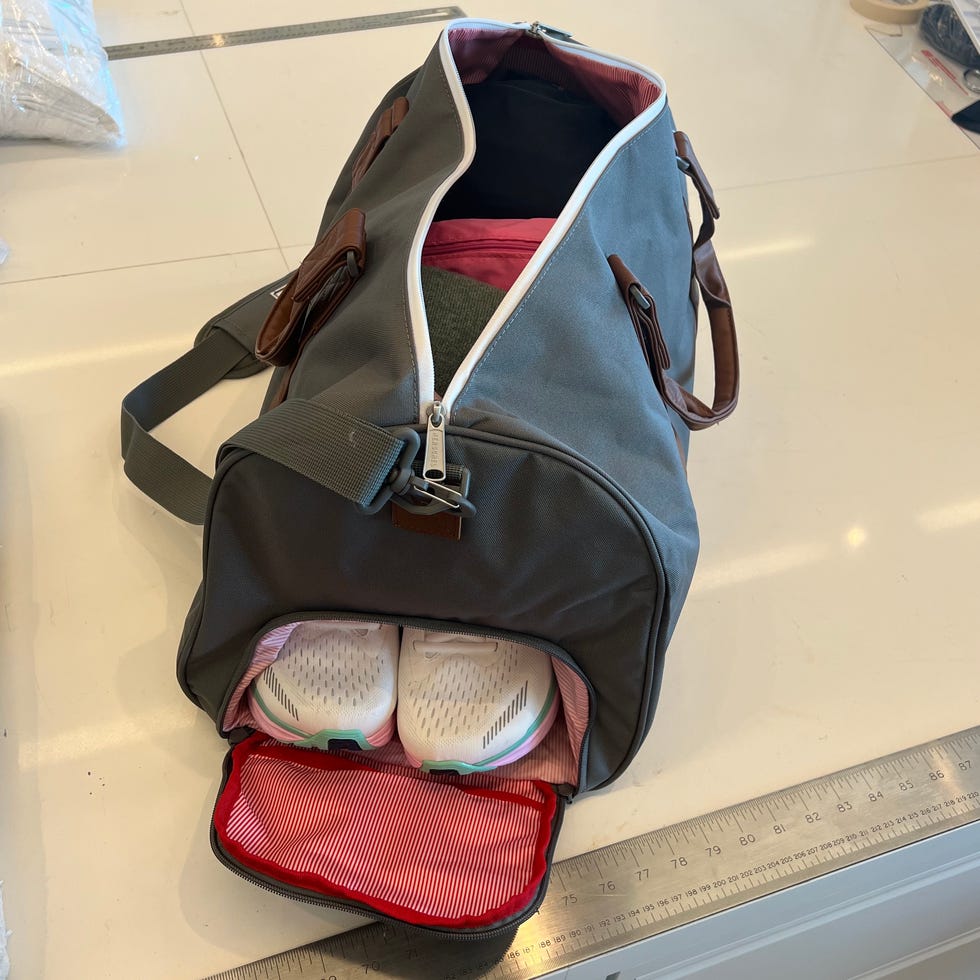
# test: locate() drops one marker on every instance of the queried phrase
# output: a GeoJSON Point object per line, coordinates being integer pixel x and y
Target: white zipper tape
{"type": "Point", "coordinates": [416, 304]}
{"type": "Point", "coordinates": [565, 220]}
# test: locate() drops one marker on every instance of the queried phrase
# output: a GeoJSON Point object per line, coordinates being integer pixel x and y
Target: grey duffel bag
{"type": "Point", "coordinates": [477, 428]}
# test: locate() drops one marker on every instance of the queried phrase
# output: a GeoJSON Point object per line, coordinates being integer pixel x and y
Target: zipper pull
{"type": "Point", "coordinates": [434, 466]}
{"type": "Point", "coordinates": [537, 29]}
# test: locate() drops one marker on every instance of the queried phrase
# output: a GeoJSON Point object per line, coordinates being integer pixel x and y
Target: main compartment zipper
{"type": "Point", "coordinates": [564, 222]}
{"type": "Point", "coordinates": [434, 467]}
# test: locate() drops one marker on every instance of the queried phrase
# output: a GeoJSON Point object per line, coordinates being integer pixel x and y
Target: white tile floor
{"type": "Point", "coordinates": [834, 614]}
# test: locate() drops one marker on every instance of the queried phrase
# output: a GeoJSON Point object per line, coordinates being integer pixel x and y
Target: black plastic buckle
{"type": "Point", "coordinates": [352, 270]}
{"type": "Point", "coordinates": [414, 492]}
{"type": "Point", "coordinates": [423, 496]}
{"type": "Point", "coordinates": [401, 474]}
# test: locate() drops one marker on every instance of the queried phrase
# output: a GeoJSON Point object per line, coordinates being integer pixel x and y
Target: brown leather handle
{"type": "Point", "coordinates": [721, 319]}
{"type": "Point", "coordinates": [717, 301]}
{"type": "Point", "coordinates": [714, 291]}
{"type": "Point", "coordinates": [324, 278]}
{"type": "Point", "coordinates": [388, 122]}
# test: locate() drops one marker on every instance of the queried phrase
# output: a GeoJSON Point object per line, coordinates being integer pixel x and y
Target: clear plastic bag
{"type": "Point", "coordinates": [54, 75]}
{"type": "Point", "coordinates": [943, 28]}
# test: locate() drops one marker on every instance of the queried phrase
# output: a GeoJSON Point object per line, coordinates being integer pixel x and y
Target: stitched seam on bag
{"type": "Point", "coordinates": [568, 237]}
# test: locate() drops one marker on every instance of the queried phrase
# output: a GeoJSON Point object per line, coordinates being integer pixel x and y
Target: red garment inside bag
{"type": "Point", "coordinates": [429, 851]}
{"type": "Point", "coordinates": [493, 250]}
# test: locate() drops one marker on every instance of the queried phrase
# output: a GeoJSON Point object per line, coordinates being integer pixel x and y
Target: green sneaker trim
{"type": "Point", "coordinates": [321, 740]}
{"type": "Point", "coordinates": [466, 767]}
{"type": "Point", "coordinates": [463, 768]}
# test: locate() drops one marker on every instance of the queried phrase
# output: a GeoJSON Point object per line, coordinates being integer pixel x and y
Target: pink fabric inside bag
{"type": "Point", "coordinates": [493, 250]}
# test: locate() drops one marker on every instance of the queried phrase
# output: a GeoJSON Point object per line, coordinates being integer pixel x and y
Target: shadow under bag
{"type": "Point", "coordinates": [477, 424]}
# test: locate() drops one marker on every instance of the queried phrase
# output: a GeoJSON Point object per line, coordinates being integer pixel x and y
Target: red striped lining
{"type": "Point", "coordinates": [429, 850]}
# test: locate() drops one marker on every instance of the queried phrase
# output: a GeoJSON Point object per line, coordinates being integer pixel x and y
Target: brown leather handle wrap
{"type": "Point", "coordinates": [688, 162]}
{"type": "Point", "coordinates": [388, 122]}
{"type": "Point", "coordinates": [721, 319]}
{"type": "Point", "coordinates": [324, 278]}
{"type": "Point", "coordinates": [714, 292]}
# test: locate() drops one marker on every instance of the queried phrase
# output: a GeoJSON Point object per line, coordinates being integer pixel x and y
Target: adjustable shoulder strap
{"type": "Point", "coordinates": [222, 349]}
{"type": "Point", "coordinates": [353, 458]}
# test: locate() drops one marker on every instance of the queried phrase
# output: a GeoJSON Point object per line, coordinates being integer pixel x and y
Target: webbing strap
{"type": "Point", "coordinates": [347, 455]}
{"type": "Point", "coordinates": [156, 469]}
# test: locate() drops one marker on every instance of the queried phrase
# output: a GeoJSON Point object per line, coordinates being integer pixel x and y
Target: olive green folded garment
{"type": "Point", "coordinates": [458, 308]}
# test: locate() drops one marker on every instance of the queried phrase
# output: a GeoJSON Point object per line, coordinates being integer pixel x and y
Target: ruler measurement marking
{"type": "Point", "coordinates": [285, 32]}
{"type": "Point", "coordinates": [634, 908]}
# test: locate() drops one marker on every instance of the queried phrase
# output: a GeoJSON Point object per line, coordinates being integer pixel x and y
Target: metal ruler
{"type": "Point", "coordinates": [635, 889]}
{"type": "Point", "coordinates": [346, 25]}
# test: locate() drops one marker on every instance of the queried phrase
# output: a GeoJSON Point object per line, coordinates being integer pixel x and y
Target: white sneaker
{"type": "Point", "coordinates": [332, 682]}
{"type": "Point", "coordinates": [469, 704]}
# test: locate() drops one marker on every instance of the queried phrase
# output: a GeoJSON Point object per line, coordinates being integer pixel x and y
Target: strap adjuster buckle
{"type": "Point", "coordinates": [400, 475]}
{"type": "Point", "coordinates": [423, 496]}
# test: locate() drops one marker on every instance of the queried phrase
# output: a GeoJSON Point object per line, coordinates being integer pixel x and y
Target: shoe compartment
{"type": "Point", "coordinates": [557, 759]}
{"type": "Point", "coordinates": [334, 684]}
{"type": "Point", "coordinates": [432, 850]}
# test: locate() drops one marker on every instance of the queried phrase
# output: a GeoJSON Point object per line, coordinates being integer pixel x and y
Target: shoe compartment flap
{"type": "Point", "coordinates": [434, 850]}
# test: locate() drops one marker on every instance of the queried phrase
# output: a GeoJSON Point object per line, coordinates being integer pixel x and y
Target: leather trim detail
{"type": "Point", "coordinates": [690, 165]}
{"type": "Point", "coordinates": [442, 525]}
{"type": "Point", "coordinates": [643, 312]}
{"type": "Point", "coordinates": [717, 301]}
{"type": "Point", "coordinates": [388, 122]}
{"type": "Point", "coordinates": [315, 290]}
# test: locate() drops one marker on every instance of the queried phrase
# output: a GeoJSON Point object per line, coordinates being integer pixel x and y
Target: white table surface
{"type": "Point", "coordinates": [834, 616]}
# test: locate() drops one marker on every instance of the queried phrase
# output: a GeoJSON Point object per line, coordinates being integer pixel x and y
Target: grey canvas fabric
{"type": "Point", "coordinates": [584, 536]}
